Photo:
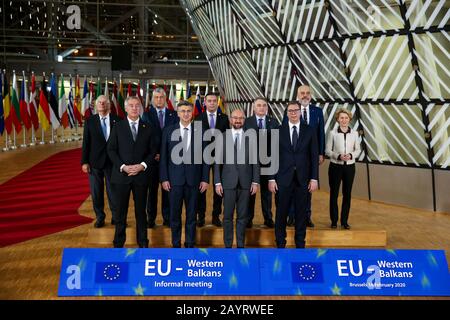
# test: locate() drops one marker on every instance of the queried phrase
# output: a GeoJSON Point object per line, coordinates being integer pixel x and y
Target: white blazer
{"type": "Point", "coordinates": [342, 143]}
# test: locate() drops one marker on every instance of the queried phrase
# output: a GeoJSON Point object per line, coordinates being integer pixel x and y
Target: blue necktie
{"type": "Point", "coordinates": [212, 124]}
{"type": "Point", "coordinates": [104, 129]}
{"type": "Point", "coordinates": [260, 124]}
{"type": "Point", "coordinates": [161, 119]}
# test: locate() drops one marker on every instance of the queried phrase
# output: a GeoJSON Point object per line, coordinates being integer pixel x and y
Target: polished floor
{"type": "Point", "coordinates": [30, 270]}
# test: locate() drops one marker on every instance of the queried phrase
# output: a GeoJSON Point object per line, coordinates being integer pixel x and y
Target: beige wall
{"type": "Point", "coordinates": [406, 186]}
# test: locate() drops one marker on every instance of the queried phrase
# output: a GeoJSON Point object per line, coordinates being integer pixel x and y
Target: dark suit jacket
{"type": "Point", "coordinates": [270, 124]}
{"type": "Point", "coordinates": [123, 150]}
{"type": "Point", "coordinates": [230, 174]}
{"type": "Point", "coordinates": [304, 158]}
{"type": "Point", "coordinates": [181, 174]}
{"type": "Point", "coordinates": [151, 117]}
{"type": "Point", "coordinates": [317, 122]}
{"type": "Point", "coordinates": [94, 143]}
{"type": "Point", "coordinates": [222, 122]}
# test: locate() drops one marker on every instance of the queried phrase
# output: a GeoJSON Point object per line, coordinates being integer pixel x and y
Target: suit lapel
{"type": "Point", "coordinates": [98, 125]}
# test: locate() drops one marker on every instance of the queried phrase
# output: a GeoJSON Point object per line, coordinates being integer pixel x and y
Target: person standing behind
{"type": "Point", "coordinates": [312, 116]}
{"type": "Point", "coordinates": [211, 119]}
{"type": "Point", "coordinates": [132, 148]}
{"type": "Point", "coordinates": [158, 117]}
{"type": "Point", "coordinates": [95, 160]}
{"type": "Point", "coordinates": [262, 123]}
{"type": "Point", "coordinates": [182, 177]}
{"type": "Point", "coordinates": [297, 174]}
{"type": "Point", "coordinates": [343, 148]}
{"type": "Point", "coordinates": [235, 182]}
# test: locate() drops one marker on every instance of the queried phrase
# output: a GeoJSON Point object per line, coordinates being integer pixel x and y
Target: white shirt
{"type": "Point", "coordinates": [189, 127]}
{"type": "Point", "coordinates": [291, 131]}
{"type": "Point", "coordinates": [307, 112]}
{"type": "Point", "coordinates": [234, 132]}
{"type": "Point", "coordinates": [136, 125]}
{"type": "Point", "coordinates": [107, 122]}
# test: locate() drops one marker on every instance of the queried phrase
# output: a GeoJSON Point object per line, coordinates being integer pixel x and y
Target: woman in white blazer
{"type": "Point", "coordinates": [343, 148]}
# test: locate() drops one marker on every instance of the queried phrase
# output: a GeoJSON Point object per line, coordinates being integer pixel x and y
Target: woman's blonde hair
{"type": "Point", "coordinates": [342, 110]}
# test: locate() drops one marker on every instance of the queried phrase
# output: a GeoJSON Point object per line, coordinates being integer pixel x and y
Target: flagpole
{"type": "Point", "coordinates": [24, 144]}
{"type": "Point", "coordinates": [42, 137]}
{"type": "Point", "coordinates": [52, 141]}
{"type": "Point", "coordinates": [33, 137]}
{"type": "Point", "coordinates": [6, 148]}
{"type": "Point", "coordinates": [13, 147]}
{"type": "Point", "coordinates": [62, 135]}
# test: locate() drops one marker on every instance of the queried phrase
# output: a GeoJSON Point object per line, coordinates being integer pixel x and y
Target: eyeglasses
{"type": "Point", "coordinates": [184, 111]}
{"type": "Point", "coordinates": [238, 118]}
{"type": "Point", "coordinates": [293, 111]}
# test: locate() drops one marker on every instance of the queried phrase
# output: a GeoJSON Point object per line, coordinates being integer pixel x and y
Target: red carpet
{"type": "Point", "coordinates": [43, 199]}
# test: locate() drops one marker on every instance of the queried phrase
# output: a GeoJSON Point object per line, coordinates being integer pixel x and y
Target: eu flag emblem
{"type": "Point", "coordinates": [111, 272]}
{"type": "Point", "coordinates": [307, 272]}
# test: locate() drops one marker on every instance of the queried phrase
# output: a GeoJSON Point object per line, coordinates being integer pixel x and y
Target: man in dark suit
{"type": "Point", "coordinates": [237, 179]}
{"type": "Point", "coordinates": [313, 117]}
{"type": "Point", "coordinates": [297, 174]}
{"type": "Point", "coordinates": [158, 117]}
{"type": "Point", "coordinates": [262, 123]}
{"type": "Point", "coordinates": [132, 148]}
{"type": "Point", "coordinates": [211, 119]}
{"type": "Point", "coordinates": [95, 160]}
{"type": "Point", "coordinates": [182, 172]}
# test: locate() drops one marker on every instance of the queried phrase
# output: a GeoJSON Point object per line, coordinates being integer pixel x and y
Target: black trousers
{"type": "Point", "coordinates": [177, 195]}
{"type": "Point", "coordinates": [336, 174]}
{"type": "Point", "coordinates": [98, 179]}
{"type": "Point", "coordinates": [122, 192]}
{"type": "Point", "coordinates": [152, 199]}
{"type": "Point", "coordinates": [201, 204]}
{"type": "Point", "coordinates": [266, 201]}
{"type": "Point", "coordinates": [298, 191]}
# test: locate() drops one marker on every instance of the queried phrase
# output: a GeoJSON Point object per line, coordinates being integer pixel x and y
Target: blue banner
{"type": "Point", "coordinates": [165, 272]}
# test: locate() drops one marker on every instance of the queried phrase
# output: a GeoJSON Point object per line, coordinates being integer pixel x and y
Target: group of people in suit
{"type": "Point", "coordinates": [161, 147]}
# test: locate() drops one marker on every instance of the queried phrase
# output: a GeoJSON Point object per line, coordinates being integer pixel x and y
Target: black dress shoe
{"type": "Point", "coordinates": [310, 224]}
{"type": "Point", "coordinates": [151, 224]}
{"type": "Point", "coordinates": [290, 222]}
{"type": "Point", "coordinates": [269, 223]}
{"type": "Point", "coordinates": [333, 226]}
{"type": "Point", "coordinates": [249, 224]}
{"type": "Point", "coordinates": [346, 226]}
{"type": "Point", "coordinates": [99, 224]}
{"type": "Point", "coordinates": [201, 223]}
{"type": "Point", "coordinates": [143, 246]}
{"type": "Point", "coordinates": [216, 221]}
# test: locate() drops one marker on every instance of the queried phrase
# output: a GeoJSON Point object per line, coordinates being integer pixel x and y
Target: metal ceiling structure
{"type": "Point", "coordinates": [36, 33]}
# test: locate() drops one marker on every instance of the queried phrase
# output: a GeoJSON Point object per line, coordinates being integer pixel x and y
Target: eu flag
{"type": "Point", "coordinates": [307, 272]}
{"type": "Point", "coordinates": [111, 272]}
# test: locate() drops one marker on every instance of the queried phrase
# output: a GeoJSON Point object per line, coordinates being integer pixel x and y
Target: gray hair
{"type": "Point", "coordinates": [159, 90]}
{"type": "Point", "coordinates": [102, 96]}
{"type": "Point", "coordinates": [132, 98]}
